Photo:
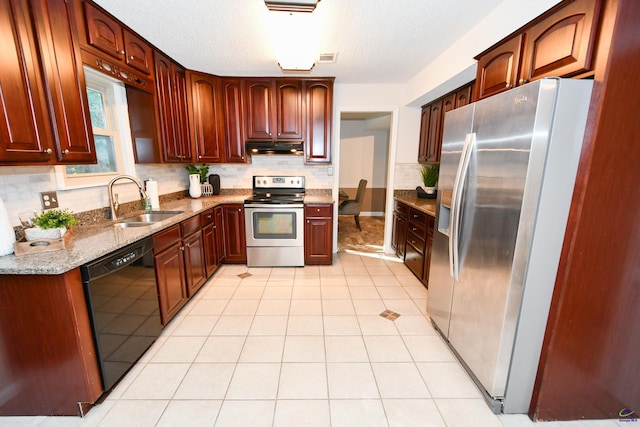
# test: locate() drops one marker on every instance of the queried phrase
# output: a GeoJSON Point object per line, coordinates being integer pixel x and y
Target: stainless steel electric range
{"type": "Point", "coordinates": [274, 220]}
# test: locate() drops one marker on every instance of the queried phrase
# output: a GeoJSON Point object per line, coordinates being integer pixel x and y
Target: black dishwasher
{"type": "Point", "coordinates": [122, 296]}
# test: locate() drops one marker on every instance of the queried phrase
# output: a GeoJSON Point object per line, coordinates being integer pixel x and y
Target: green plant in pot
{"type": "Point", "coordinates": [51, 224]}
{"type": "Point", "coordinates": [429, 174]}
{"type": "Point", "coordinates": [202, 171]}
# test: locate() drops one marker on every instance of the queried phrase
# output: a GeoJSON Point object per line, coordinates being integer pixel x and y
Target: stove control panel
{"type": "Point", "coordinates": [294, 182]}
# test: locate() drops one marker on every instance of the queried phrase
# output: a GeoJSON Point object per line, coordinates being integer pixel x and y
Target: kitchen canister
{"type": "Point", "coordinates": [7, 235]}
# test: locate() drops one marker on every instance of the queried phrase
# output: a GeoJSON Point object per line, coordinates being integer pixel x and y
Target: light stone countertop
{"type": "Point", "coordinates": [427, 206]}
{"type": "Point", "coordinates": [92, 242]}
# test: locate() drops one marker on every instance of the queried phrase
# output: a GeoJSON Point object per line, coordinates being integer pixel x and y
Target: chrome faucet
{"type": "Point", "coordinates": [113, 198]}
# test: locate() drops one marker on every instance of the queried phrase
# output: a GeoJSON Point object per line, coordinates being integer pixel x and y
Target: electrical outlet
{"type": "Point", "coordinates": [49, 199]}
{"type": "Point", "coordinates": [330, 171]}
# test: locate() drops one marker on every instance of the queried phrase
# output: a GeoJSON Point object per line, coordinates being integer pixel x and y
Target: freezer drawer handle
{"type": "Point", "coordinates": [456, 205]}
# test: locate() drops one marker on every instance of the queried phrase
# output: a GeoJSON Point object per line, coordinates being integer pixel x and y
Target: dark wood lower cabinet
{"type": "Point", "coordinates": [235, 241]}
{"type": "Point", "coordinates": [412, 238]}
{"type": "Point", "coordinates": [318, 234]}
{"type": "Point", "coordinates": [170, 272]}
{"type": "Point", "coordinates": [48, 362]}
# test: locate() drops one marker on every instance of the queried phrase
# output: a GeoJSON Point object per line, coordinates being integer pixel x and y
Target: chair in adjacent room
{"type": "Point", "coordinates": [353, 206]}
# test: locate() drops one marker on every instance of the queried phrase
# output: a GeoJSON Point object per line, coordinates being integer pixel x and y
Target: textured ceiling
{"type": "Point", "coordinates": [377, 41]}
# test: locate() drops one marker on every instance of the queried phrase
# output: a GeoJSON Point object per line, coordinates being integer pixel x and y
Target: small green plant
{"type": "Point", "coordinates": [429, 175]}
{"type": "Point", "coordinates": [56, 218]}
{"type": "Point", "coordinates": [202, 171]}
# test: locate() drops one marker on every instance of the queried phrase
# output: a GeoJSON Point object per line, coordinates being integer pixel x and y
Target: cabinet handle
{"type": "Point", "coordinates": [199, 157]}
{"type": "Point", "coordinates": [523, 81]}
{"type": "Point", "coordinates": [509, 86]}
{"type": "Point", "coordinates": [415, 216]}
{"type": "Point", "coordinates": [209, 216]}
{"type": "Point", "coordinates": [47, 151]}
{"type": "Point", "coordinates": [188, 245]}
{"type": "Point", "coordinates": [182, 248]}
{"type": "Point", "coordinates": [121, 52]}
{"type": "Point", "coordinates": [413, 229]}
{"type": "Point", "coordinates": [130, 57]}
{"type": "Point", "coordinates": [65, 152]}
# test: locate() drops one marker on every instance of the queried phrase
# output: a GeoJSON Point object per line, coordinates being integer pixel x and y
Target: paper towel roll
{"type": "Point", "coordinates": [152, 193]}
{"type": "Point", "coordinates": [7, 235]}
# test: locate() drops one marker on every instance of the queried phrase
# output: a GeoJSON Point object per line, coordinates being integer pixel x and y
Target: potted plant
{"type": "Point", "coordinates": [51, 224]}
{"type": "Point", "coordinates": [429, 174]}
{"type": "Point", "coordinates": [202, 171]}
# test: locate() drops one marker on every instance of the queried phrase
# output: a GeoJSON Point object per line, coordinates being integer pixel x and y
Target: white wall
{"type": "Point", "coordinates": [364, 155]}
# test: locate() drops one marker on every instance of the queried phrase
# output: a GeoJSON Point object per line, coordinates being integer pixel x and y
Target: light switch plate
{"type": "Point", "coordinates": [49, 199]}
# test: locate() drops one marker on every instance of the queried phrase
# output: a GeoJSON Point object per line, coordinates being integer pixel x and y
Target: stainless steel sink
{"type": "Point", "coordinates": [146, 219]}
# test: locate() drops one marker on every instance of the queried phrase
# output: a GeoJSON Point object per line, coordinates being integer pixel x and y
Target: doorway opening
{"type": "Point", "coordinates": [364, 154]}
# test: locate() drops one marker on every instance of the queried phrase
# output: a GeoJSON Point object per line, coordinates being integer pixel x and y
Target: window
{"type": "Point", "coordinates": [109, 119]}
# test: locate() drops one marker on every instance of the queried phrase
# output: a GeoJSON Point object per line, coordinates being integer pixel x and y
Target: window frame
{"type": "Point", "coordinates": [117, 118]}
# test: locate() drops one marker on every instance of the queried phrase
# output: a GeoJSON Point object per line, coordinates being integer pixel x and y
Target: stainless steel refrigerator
{"type": "Point", "coordinates": [507, 174]}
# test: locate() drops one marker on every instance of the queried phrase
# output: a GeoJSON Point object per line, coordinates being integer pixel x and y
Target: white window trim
{"type": "Point", "coordinates": [123, 143]}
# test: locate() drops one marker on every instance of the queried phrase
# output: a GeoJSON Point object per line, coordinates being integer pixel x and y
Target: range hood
{"type": "Point", "coordinates": [274, 147]}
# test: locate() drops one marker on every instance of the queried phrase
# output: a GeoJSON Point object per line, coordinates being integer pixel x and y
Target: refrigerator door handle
{"type": "Point", "coordinates": [456, 205]}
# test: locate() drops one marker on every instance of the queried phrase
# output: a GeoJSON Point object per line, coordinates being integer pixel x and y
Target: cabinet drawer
{"type": "Point", "coordinates": [418, 218]}
{"type": "Point", "coordinates": [166, 238]}
{"type": "Point", "coordinates": [190, 226]}
{"type": "Point", "coordinates": [419, 229]}
{"type": "Point", "coordinates": [401, 208]}
{"type": "Point", "coordinates": [323, 211]}
{"type": "Point", "coordinates": [416, 241]}
{"type": "Point", "coordinates": [414, 260]}
{"type": "Point", "coordinates": [206, 217]}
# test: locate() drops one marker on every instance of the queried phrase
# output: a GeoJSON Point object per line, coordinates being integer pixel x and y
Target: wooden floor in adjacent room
{"type": "Point", "coordinates": [369, 240]}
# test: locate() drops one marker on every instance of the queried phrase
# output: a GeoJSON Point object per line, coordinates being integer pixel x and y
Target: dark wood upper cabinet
{"type": "Point", "coordinates": [289, 109]}
{"type": "Point", "coordinates": [26, 135]}
{"type": "Point", "coordinates": [559, 43]}
{"type": "Point", "coordinates": [171, 96]}
{"type": "Point", "coordinates": [274, 109]}
{"type": "Point", "coordinates": [259, 114]}
{"type": "Point", "coordinates": [205, 114]}
{"type": "Point", "coordinates": [65, 82]}
{"type": "Point", "coordinates": [44, 107]}
{"type": "Point", "coordinates": [498, 68]}
{"type": "Point", "coordinates": [107, 34]}
{"type": "Point", "coordinates": [233, 120]}
{"type": "Point", "coordinates": [319, 111]}
{"type": "Point", "coordinates": [432, 122]}
{"type": "Point", "coordinates": [562, 44]}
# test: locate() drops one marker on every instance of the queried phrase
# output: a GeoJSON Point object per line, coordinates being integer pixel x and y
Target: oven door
{"type": "Point", "coordinates": [274, 225]}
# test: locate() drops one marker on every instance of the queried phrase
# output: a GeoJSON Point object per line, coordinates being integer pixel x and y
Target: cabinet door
{"type": "Point", "coordinates": [180, 117]}
{"type": "Point", "coordinates": [399, 234]}
{"type": "Point", "coordinates": [25, 135]}
{"type": "Point", "coordinates": [64, 78]}
{"type": "Point", "coordinates": [425, 119]}
{"type": "Point", "coordinates": [210, 255]}
{"type": "Point", "coordinates": [434, 140]}
{"type": "Point", "coordinates": [289, 109]}
{"type": "Point", "coordinates": [463, 96]}
{"type": "Point", "coordinates": [319, 111]}
{"type": "Point", "coordinates": [138, 53]}
{"type": "Point", "coordinates": [498, 68]}
{"type": "Point", "coordinates": [172, 290]}
{"type": "Point", "coordinates": [104, 32]}
{"type": "Point", "coordinates": [427, 250]}
{"type": "Point", "coordinates": [218, 231]}
{"type": "Point", "coordinates": [205, 117]}
{"type": "Point", "coordinates": [235, 241]}
{"type": "Point", "coordinates": [194, 261]}
{"type": "Point", "coordinates": [170, 149]}
{"type": "Point", "coordinates": [562, 44]}
{"type": "Point", "coordinates": [233, 121]}
{"type": "Point", "coordinates": [259, 109]}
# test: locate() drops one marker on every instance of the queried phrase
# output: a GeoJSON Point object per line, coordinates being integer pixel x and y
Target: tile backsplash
{"type": "Point", "coordinates": [20, 186]}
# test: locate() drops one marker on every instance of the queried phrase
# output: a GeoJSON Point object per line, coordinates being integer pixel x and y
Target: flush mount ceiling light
{"type": "Point", "coordinates": [292, 5]}
{"type": "Point", "coordinates": [295, 38]}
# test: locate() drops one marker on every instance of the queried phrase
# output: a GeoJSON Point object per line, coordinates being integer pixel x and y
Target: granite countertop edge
{"type": "Point", "coordinates": [410, 198]}
{"type": "Point", "coordinates": [92, 242]}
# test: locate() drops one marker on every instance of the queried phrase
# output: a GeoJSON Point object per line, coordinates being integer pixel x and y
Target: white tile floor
{"type": "Point", "coordinates": [299, 347]}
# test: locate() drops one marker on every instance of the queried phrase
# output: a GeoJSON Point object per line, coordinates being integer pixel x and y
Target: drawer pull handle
{"type": "Point", "coordinates": [47, 151]}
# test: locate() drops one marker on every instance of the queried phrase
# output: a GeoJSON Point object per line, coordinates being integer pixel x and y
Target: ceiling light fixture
{"type": "Point", "coordinates": [295, 38]}
{"type": "Point", "coordinates": [291, 5]}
